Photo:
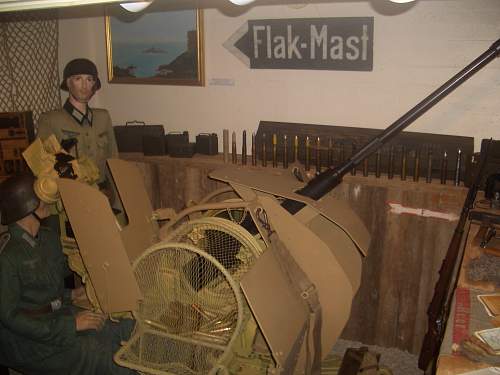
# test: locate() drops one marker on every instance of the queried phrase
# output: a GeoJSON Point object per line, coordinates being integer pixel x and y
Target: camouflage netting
{"type": "Point", "coordinates": [29, 77]}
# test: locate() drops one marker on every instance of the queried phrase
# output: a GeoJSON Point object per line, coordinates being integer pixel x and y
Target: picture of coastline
{"type": "Point", "coordinates": [160, 47]}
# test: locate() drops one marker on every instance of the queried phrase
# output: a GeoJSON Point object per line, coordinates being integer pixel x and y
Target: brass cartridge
{"type": "Point", "coordinates": [377, 164]}
{"type": "Point", "coordinates": [458, 166]}
{"type": "Point", "coordinates": [444, 168]}
{"type": "Point", "coordinates": [264, 154]}
{"type": "Point", "coordinates": [244, 148]}
{"type": "Point", "coordinates": [254, 151]}
{"type": "Point", "coordinates": [428, 175]}
{"type": "Point", "coordinates": [390, 168]}
{"type": "Point", "coordinates": [416, 166]}
{"type": "Point", "coordinates": [330, 152]}
{"type": "Point", "coordinates": [233, 149]}
{"type": "Point", "coordinates": [403, 163]}
{"type": "Point", "coordinates": [275, 150]}
{"type": "Point", "coordinates": [295, 149]}
{"type": "Point", "coordinates": [308, 154]}
{"type": "Point", "coordinates": [285, 152]}
{"type": "Point", "coordinates": [318, 155]}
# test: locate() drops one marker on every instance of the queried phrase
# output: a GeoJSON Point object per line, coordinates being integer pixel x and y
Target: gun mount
{"type": "Point", "coordinates": [259, 283]}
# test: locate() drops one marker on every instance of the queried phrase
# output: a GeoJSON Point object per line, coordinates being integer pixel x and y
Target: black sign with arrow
{"type": "Point", "coordinates": [340, 43]}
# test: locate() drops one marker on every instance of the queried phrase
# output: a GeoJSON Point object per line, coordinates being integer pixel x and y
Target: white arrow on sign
{"type": "Point", "coordinates": [230, 44]}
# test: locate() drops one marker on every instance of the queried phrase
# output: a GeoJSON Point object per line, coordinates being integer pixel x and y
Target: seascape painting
{"type": "Point", "coordinates": [156, 48]}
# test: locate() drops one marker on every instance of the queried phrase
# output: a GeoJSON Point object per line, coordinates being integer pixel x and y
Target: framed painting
{"type": "Point", "coordinates": [164, 47]}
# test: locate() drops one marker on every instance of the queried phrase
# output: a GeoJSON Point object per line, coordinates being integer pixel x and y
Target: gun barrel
{"type": "Point", "coordinates": [331, 177]}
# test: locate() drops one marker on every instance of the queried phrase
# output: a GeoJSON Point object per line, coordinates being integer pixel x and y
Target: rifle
{"type": "Point", "coordinates": [331, 177]}
{"type": "Point", "coordinates": [439, 309]}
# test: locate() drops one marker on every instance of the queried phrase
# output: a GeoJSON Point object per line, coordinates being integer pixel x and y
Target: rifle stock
{"type": "Point", "coordinates": [439, 307]}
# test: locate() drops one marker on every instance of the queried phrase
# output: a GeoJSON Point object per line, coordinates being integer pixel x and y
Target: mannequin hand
{"type": "Point", "coordinates": [78, 294]}
{"type": "Point", "coordinates": [86, 320]}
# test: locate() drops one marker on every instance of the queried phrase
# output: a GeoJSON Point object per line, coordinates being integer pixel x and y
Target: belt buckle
{"type": "Point", "coordinates": [56, 304]}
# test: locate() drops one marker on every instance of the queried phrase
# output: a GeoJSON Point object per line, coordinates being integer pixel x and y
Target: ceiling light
{"type": "Point", "coordinates": [16, 5]}
{"type": "Point", "coordinates": [241, 2]}
{"type": "Point", "coordinates": [137, 6]}
{"type": "Point", "coordinates": [402, 1]}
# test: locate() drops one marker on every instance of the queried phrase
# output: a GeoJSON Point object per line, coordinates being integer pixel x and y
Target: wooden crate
{"type": "Point", "coordinates": [16, 133]}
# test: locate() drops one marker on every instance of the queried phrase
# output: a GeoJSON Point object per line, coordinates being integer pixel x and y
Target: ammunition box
{"type": "Point", "coordinates": [154, 145]}
{"type": "Point", "coordinates": [136, 136]}
{"type": "Point", "coordinates": [207, 144]}
{"type": "Point", "coordinates": [176, 138]}
{"type": "Point", "coordinates": [182, 150]}
{"type": "Point", "coordinates": [129, 137]}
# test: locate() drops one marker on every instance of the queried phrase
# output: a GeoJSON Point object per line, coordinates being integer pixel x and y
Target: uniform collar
{"type": "Point", "coordinates": [18, 232]}
{"type": "Point", "coordinates": [77, 115]}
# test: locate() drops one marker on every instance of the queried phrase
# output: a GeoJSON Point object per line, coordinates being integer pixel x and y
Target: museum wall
{"type": "Point", "coordinates": [417, 47]}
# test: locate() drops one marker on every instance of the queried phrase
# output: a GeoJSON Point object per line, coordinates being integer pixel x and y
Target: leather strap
{"type": "Point", "coordinates": [44, 310]}
{"type": "Point", "coordinates": [47, 309]}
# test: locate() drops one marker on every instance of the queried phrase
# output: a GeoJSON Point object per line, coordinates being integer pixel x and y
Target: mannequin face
{"type": "Point", "coordinates": [30, 223]}
{"type": "Point", "coordinates": [81, 87]}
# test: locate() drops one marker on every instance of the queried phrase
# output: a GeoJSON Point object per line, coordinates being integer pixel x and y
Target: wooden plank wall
{"type": "Point", "coordinates": [401, 269]}
{"type": "Point", "coordinates": [406, 252]}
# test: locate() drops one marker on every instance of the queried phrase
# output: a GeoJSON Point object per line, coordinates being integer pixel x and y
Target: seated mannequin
{"type": "Point", "coordinates": [41, 331]}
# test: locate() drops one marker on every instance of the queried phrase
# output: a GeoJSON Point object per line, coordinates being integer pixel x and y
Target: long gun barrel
{"type": "Point", "coordinates": [331, 177]}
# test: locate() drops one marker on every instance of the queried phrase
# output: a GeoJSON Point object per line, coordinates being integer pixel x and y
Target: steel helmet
{"type": "Point", "coordinates": [80, 66]}
{"type": "Point", "coordinates": [17, 198]}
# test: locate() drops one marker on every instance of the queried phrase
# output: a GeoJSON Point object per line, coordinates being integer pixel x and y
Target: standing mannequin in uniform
{"type": "Point", "coordinates": [91, 127]}
{"type": "Point", "coordinates": [41, 332]}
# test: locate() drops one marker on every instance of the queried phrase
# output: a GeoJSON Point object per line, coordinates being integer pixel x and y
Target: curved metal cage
{"type": "Point", "coordinates": [182, 328]}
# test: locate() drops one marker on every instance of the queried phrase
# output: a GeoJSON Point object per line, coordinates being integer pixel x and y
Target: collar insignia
{"type": "Point", "coordinates": [77, 115]}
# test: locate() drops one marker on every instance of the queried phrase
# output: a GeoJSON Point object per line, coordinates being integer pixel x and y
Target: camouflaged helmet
{"type": "Point", "coordinates": [80, 66]}
{"type": "Point", "coordinates": [17, 198]}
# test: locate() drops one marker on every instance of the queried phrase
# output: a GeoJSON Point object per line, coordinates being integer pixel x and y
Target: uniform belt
{"type": "Point", "coordinates": [44, 310]}
{"type": "Point", "coordinates": [47, 309]}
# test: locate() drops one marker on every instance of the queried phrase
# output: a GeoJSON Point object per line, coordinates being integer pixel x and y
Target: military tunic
{"type": "Point", "coordinates": [93, 130]}
{"type": "Point", "coordinates": [32, 272]}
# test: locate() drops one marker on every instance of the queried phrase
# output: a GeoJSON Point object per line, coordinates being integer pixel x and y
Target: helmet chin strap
{"type": "Point", "coordinates": [37, 217]}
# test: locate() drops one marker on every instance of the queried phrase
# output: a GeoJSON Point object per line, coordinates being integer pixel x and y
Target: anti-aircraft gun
{"type": "Point", "coordinates": [260, 283]}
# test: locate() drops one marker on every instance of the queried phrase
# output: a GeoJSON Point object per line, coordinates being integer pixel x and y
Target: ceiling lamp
{"type": "Point", "coordinates": [15, 5]}
{"type": "Point", "coordinates": [241, 2]}
{"type": "Point", "coordinates": [137, 6]}
{"type": "Point", "coordinates": [402, 1]}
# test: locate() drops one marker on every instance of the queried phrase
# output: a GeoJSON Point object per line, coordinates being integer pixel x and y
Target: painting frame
{"type": "Point", "coordinates": [194, 76]}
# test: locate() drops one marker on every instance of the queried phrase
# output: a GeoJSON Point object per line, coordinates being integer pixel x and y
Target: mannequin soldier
{"type": "Point", "coordinates": [41, 332]}
{"type": "Point", "coordinates": [91, 127]}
